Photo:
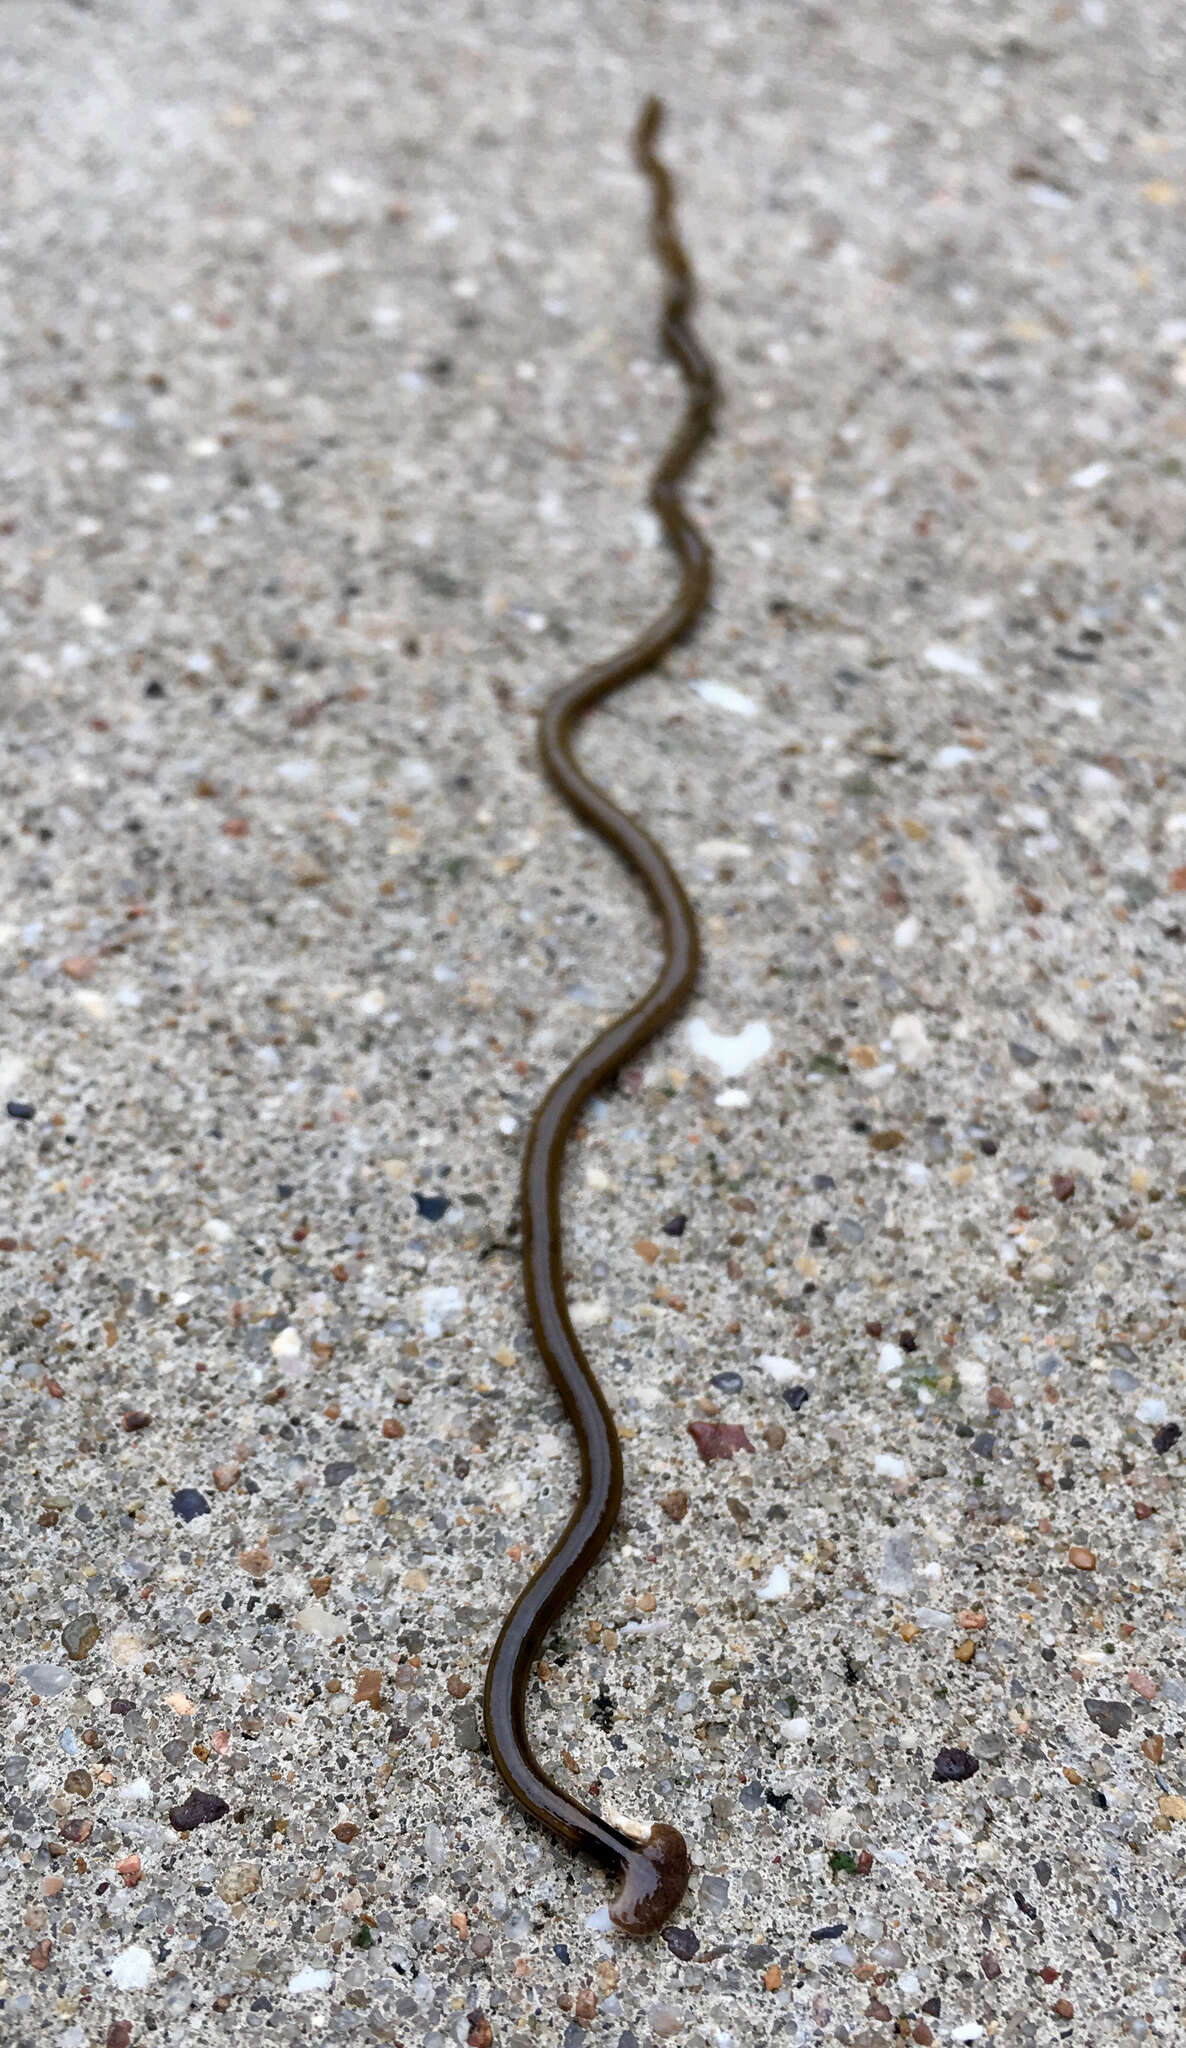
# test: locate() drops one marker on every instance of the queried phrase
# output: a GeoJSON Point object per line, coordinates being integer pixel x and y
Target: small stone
{"type": "Point", "coordinates": [772, 1979]}
{"type": "Point", "coordinates": [79, 1784]}
{"type": "Point", "coordinates": [682, 1942]}
{"type": "Point", "coordinates": [224, 1476]}
{"type": "Point", "coordinates": [481, 2033]}
{"type": "Point", "coordinates": [345, 1831]}
{"type": "Point", "coordinates": [393, 1428]}
{"type": "Point", "coordinates": [1064, 2008]}
{"type": "Point", "coordinates": [675, 1226]}
{"type": "Point", "coordinates": [39, 1956]}
{"type": "Point", "coordinates": [952, 1766]}
{"type": "Point", "coordinates": [238, 1881]}
{"type": "Point", "coordinates": [727, 1382]}
{"type": "Point", "coordinates": [585, 2007]}
{"type": "Point", "coordinates": [1143, 1685]}
{"type": "Point", "coordinates": [197, 1811]}
{"type": "Point", "coordinates": [647, 1249]}
{"type": "Point", "coordinates": [966, 1650]}
{"type": "Point", "coordinates": [1166, 1437]}
{"type": "Point", "coordinates": [431, 1207]}
{"type": "Point", "coordinates": [78, 1828]}
{"type": "Point", "coordinates": [188, 1504]}
{"type": "Point", "coordinates": [1142, 1510]}
{"type": "Point", "coordinates": [339, 1472]}
{"type": "Point", "coordinates": [257, 1561]}
{"type": "Point", "coordinates": [886, 1141]}
{"type": "Point", "coordinates": [129, 1869]}
{"type": "Point", "coordinates": [1172, 1806]}
{"type": "Point", "coordinates": [457, 1687]}
{"type": "Point", "coordinates": [1062, 1187]}
{"type": "Point", "coordinates": [718, 1439]}
{"type": "Point", "coordinates": [795, 1398]}
{"type": "Point", "coordinates": [1154, 1748]}
{"type": "Point", "coordinates": [21, 1111]}
{"type": "Point", "coordinates": [119, 2034]}
{"type": "Point", "coordinates": [1112, 1716]}
{"type": "Point", "coordinates": [80, 1635]}
{"type": "Point", "coordinates": [136, 1418]}
{"type": "Point", "coordinates": [675, 1505]}
{"type": "Point", "coordinates": [1083, 1560]}
{"type": "Point", "coordinates": [368, 1688]}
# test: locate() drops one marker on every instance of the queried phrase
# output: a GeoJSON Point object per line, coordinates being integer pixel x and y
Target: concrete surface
{"type": "Point", "coordinates": [330, 389]}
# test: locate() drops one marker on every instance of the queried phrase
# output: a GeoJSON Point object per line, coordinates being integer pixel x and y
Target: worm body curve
{"type": "Point", "coordinates": [655, 1872]}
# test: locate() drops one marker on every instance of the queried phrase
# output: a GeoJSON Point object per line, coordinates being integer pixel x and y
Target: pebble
{"type": "Point", "coordinates": [1112, 1716]}
{"type": "Point", "coordinates": [188, 1504]}
{"type": "Point", "coordinates": [795, 1397]}
{"type": "Point", "coordinates": [718, 1439]}
{"type": "Point", "coordinates": [197, 1811]}
{"type": "Point", "coordinates": [727, 1382]}
{"type": "Point", "coordinates": [1166, 1437]}
{"type": "Point", "coordinates": [952, 1766]}
{"type": "Point", "coordinates": [238, 1881]}
{"type": "Point", "coordinates": [80, 1635]}
{"type": "Point", "coordinates": [133, 1969]}
{"type": "Point", "coordinates": [135, 1418]}
{"type": "Point", "coordinates": [431, 1207]}
{"type": "Point", "coordinates": [21, 1112]}
{"type": "Point", "coordinates": [1083, 1560]}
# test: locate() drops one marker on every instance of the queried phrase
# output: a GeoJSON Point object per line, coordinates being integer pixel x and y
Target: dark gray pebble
{"type": "Point", "coordinates": [188, 1504]}
{"type": "Point", "coordinates": [1113, 1716]}
{"type": "Point", "coordinates": [727, 1382]}
{"type": "Point", "coordinates": [197, 1811]}
{"type": "Point", "coordinates": [952, 1766]}
{"type": "Point", "coordinates": [338, 1474]}
{"type": "Point", "coordinates": [795, 1397]}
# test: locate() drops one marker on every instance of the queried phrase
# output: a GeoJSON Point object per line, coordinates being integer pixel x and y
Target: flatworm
{"type": "Point", "coordinates": [654, 1873]}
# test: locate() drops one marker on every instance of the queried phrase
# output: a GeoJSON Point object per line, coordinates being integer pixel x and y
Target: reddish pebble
{"type": "Point", "coordinates": [119, 2034]}
{"type": "Point", "coordinates": [1083, 1560]}
{"type": "Point", "coordinates": [922, 2034]}
{"type": "Point", "coordinates": [1048, 1974]}
{"type": "Point", "coordinates": [1062, 1187]}
{"type": "Point", "coordinates": [345, 1831]}
{"type": "Point", "coordinates": [718, 1439]}
{"type": "Point", "coordinates": [1143, 1685]}
{"type": "Point", "coordinates": [481, 2033]}
{"type": "Point", "coordinates": [1141, 1510]}
{"type": "Point", "coordinates": [136, 1418]}
{"type": "Point", "coordinates": [129, 1868]}
{"type": "Point", "coordinates": [1064, 2008]}
{"type": "Point", "coordinates": [236, 828]}
{"type": "Point", "coordinates": [393, 1427]}
{"type": "Point", "coordinates": [39, 1957]}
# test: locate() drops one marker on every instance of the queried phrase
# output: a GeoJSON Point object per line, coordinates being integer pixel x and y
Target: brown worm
{"type": "Point", "coordinates": [654, 1873]}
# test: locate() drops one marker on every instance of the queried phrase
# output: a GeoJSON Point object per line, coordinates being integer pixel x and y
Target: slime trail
{"type": "Point", "coordinates": [655, 1873]}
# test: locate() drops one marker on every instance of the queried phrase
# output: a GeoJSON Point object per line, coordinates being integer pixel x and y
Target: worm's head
{"type": "Point", "coordinates": [655, 1878]}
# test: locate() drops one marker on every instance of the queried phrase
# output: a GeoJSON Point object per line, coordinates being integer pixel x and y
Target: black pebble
{"type": "Point", "coordinates": [1166, 1437]}
{"type": "Point", "coordinates": [22, 1111]}
{"type": "Point", "coordinates": [188, 1504]}
{"type": "Point", "coordinates": [952, 1766]}
{"type": "Point", "coordinates": [338, 1474]}
{"type": "Point", "coordinates": [675, 1226]}
{"type": "Point", "coordinates": [197, 1811]}
{"type": "Point", "coordinates": [432, 1206]}
{"type": "Point", "coordinates": [727, 1382]}
{"type": "Point", "coordinates": [795, 1397]}
{"type": "Point", "coordinates": [832, 1933]}
{"type": "Point", "coordinates": [154, 689]}
{"type": "Point", "coordinates": [682, 1942]}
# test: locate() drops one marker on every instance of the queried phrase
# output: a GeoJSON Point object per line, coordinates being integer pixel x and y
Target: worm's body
{"type": "Point", "coordinates": [655, 1874]}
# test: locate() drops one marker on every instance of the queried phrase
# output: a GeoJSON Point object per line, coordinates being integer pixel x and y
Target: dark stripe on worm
{"type": "Point", "coordinates": [654, 1873]}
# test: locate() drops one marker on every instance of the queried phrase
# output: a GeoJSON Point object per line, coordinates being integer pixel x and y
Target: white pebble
{"type": "Point", "coordinates": [726, 698]}
{"type": "Point", "coordinates": [777, 1586]}
{"type": "Point", "coordinates": [906, 933]}
{"type": "Point", "coordinates": [784, 1370]}
{"type": "Point", "coordinates": [133, 1969]}
{"type": "Point", "coordinates": [438, 1307]}
{"type": "Point", "coordinates": [890, 1358]}
{"type": "Point", "coordinates": [731, 1052]}
{"type": "Point", "coordinates": [732, 1098]}
{"type": "Point", "coordinates": [310, 1980]}
{"type": "Point", "coordinates": [287, 1344]}
{"type": "Point", "coordinates": [1084, 480]}
{"type": "Point", "coordinates": [951, 661]}
{"type": "Point", "coordinates": [888, 1465]}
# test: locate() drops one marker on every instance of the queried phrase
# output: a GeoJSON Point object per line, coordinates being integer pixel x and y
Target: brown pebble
{"type": "Point", "coordinates": [864, 1862]}
{"type": "Point", "coordinates": [256, 1561]}
{"type": "Point", "coordinates": [80, 966]}
{"type": "Point", "coordinates": [647, 1250]}
{"type": "Point", "coordinates": [774, 1436]}
{"type": "Point", "coordinates": [887, 1141]}
{"type": "Point", "coordinates": [1062, 1187]}
{"type": "Point", "coordinates": [1064, 2008]}
{"type": "Point", "coordinates": [718, 1439]}
{"type": "Point", "coordinates": [922, 2034]}
{"type": "Point", "coordinates": [457, 1686]}
{"type": "Point", "coordinates": [224, 1476]}
{"type": "Point", "coordinates": [481, 2033]}
{"type": "Point", "coordinates": [675, 1505]}
{"type": "Point", "coordinates": [966, 1650]}
{"type": "Point", "coordinates": [320, 1584]}
{"type": "Point", "coordinates": [1141, 1510]}
{"type": "Point", "coordinates": [1083, 1560]}
{"type": "Point", "coordinates": [136, 1418]}
{"type": "Point", "coordinates": [393, 1427]}
{"type": "Point", "coordinates": [585, 2007]}
{"type": "Point", "coordinates": [1154, 1748]}
{"type": "Point", "coordinates": [368, 1687]}
{"type": "Point", "coordinates": [773, 1978]}
{"type": "Point", "coordinates": [39, 1957]}
{"type": "Point", "coordinates": [119, 2034]}
{"type": "Point", "coordinates": [129, 1868]}
{"type": "Point", "coordinates": [345, 1831]}
{"type": "Point", "coordinates": [1139, 1683]}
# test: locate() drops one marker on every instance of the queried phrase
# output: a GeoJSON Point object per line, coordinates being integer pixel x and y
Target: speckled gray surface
{"type": "Point", "coordinates": [329, 393]}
